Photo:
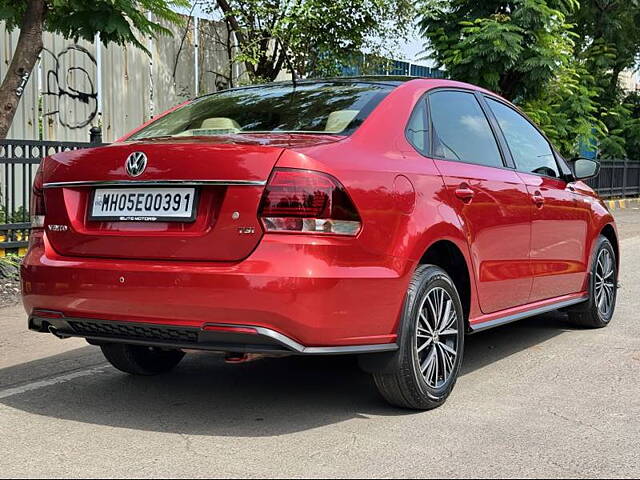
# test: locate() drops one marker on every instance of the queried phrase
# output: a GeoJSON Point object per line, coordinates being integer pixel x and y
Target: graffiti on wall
{"type": "Point", "coordinates": [70, 86]}
{"type": "Point", "coordinates": [118, 87]}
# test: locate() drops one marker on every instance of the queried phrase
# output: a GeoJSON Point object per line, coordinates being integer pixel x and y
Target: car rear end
{"type": "Point", "coordinates": [208, 239]}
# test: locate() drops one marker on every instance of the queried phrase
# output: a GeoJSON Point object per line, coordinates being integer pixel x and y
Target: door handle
{"type": "Point", "coordinates": [538, 199]}
{"type": "Point", "coordinates": [465, 193]}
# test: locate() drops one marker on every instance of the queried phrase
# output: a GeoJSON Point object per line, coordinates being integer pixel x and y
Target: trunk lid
{"type": "Point", "coordinates": [228, 174]}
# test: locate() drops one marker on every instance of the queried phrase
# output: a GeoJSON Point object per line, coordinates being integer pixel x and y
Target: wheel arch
{"type": "Point", "coordinates": [607, 229]}
{"type": "Point", "coordinates": [609, 232]}
{"type": "Point", "coordinates": [448, 255]}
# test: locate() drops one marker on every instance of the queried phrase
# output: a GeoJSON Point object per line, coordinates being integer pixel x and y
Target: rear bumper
{"type": "Point", "coordinates": [299, 294]}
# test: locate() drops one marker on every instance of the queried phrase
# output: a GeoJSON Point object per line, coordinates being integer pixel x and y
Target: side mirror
{"type": "Point", "coordinates": [583, 168]}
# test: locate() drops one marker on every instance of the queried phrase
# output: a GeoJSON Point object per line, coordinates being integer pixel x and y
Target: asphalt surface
{"type": "Point", "coordinates": [538, 398]}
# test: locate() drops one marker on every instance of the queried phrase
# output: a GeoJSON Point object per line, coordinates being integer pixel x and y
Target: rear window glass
{"type": "Point", "coordinates": [331, 108]}
{"type": "Point", "coordinates": [461, 130]}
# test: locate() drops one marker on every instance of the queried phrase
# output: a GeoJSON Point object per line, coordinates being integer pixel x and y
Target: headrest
{"type": "Point", "coordinates": [220, 123]}
{"type": "Point", "coordinates": [339, 120]}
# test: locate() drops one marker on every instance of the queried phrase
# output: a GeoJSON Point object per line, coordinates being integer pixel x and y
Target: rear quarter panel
{"type": "Point", "coordinates": [398, 192]}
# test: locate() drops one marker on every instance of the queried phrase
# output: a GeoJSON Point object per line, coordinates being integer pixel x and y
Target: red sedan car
{"type": "Point", "coordinates": [382, 217]}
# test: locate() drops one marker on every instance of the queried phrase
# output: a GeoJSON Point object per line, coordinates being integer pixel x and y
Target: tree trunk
{"type": "Point", "coordinates": [508, 83]}
{"type": "Point", "coordinates": [232, 21]}
{"type": "Point", "coordinates": [24, 58]}
{"type": "Point", "coordinates": [614, 81]}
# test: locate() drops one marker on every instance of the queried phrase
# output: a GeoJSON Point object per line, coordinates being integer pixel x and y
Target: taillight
{"type": "Point", "coordinates": [305, 201]}
{"type": "Point", "coordinates": [38, 209]}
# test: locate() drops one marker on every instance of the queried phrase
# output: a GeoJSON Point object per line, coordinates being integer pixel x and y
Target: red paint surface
{"type": "Point", "coordinates": [318, 290]}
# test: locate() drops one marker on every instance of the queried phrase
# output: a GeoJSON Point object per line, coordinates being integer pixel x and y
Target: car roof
{"type": "Point", "coordinates": [392, 80]}
{"type": "Point", "coordinates": [387, 80]}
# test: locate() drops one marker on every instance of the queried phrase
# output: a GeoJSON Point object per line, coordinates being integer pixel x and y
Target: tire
{"type": "Point", "coordinates": [424, 347]}
{"type": "Point", "coordinates": [594, 313]}
{"type": "Point", "coordinates": [141, 360]}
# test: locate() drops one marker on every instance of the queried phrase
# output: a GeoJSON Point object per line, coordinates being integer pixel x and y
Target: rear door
{"type": "Point", "coordinates": [559, 216]}
{"type": "Point", "coordinates": [490, 197]}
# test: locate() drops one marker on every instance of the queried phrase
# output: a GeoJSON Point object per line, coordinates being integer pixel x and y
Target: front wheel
{"type": "Point", "coordinates": [431, 343]}
{"type": "Point", "coordinates": [603, 288]}
{"type": "Point", "coordinates": [141, 360]}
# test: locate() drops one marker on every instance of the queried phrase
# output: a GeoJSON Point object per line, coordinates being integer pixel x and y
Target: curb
{"type": "Point", "coordinates": [623, 203]}
{"type": "Point", "coordinates": [21, 252]}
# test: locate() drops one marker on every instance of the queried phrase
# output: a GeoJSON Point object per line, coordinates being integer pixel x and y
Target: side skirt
{"type": "Point", "coordinates": [485, 325]}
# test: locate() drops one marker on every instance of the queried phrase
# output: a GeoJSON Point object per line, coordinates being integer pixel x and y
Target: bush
{"type": "Point", "coordinates": [10, 267]}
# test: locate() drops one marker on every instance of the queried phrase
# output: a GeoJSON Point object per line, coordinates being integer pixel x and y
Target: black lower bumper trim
{"type": "Point", "coordinates": [264, 340]}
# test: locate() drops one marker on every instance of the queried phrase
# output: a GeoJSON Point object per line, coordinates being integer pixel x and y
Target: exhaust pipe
{"type": "Point", "coordinates": [54, 331]}
{"type": "Point", "coordinates": [237, 358]}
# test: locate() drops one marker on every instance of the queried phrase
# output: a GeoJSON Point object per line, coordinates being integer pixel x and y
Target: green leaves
{"type": "Point", "coordinates": [117, 21]}
{"type": "Point", "coordinates": [566, 110]}
{"type": "Point", "coordinates": [524, 41]}
{"type": "Point", "coordinates": [312, 37]}
{"type": "Point", "coordinates": [608, 42]}
{"type": "Point", "coordinates": [557, 59]}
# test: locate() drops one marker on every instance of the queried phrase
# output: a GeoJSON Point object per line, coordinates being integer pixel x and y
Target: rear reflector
{"type": "Point", "coordinates": [218, 328]}
{"type": "Point", "coordinates": [305, 201]}
{"type": "Point", "coordinates": [47, 314]}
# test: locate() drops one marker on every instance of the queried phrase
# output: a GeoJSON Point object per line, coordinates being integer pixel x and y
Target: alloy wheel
{"type": "Point", "coordinates": [605, 283]}
{"type": "Point", "coordinates": [437, 337]}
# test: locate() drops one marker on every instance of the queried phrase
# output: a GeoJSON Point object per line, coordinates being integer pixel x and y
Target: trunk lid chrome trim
{"type": "Point", "coordinates": [157, 183]}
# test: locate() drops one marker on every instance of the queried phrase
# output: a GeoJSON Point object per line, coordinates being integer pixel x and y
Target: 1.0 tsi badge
{"type": "Point", "coordinates": [136, 164]}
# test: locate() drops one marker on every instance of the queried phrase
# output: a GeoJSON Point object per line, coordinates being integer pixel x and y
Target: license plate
{"type": "Point", "coordinates": [143, 204]}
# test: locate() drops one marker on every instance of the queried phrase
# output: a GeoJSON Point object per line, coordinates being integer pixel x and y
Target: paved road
{"type": "Point", "coordinates": [535, 399]}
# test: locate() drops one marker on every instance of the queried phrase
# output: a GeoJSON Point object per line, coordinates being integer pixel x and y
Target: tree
{"type": "Point", "coordinates": [608, 36]}
{"type": "Point", "coordinates": [608, 41]}
{"type": "Point", "coordinates": [523, 50]}
{"type": "Point", "coordinates": [511, 47]}
{"type": "Point", "coordinates": [560, 60]}
{"type": "Point", "coordinates": [310, 37]}
{"type": "Point", "coordinates": [117, 21]}
{"type": "Point", "coordinates": [567, 109]}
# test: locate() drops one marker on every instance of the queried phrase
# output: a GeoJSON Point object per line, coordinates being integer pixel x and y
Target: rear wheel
{"type": "Point", "coordinates": [141, 360]}
{"type": "Point", "coordinates": [431, 344]}
{"type": "Point", "coordinates": [598, 310]}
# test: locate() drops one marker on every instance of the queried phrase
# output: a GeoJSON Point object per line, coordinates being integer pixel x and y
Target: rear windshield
{"type": "Point", "coordinates": [331, 108]}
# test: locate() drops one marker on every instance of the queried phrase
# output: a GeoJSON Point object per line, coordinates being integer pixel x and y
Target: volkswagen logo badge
{"type": "Point", "coordinates": [136, 163]}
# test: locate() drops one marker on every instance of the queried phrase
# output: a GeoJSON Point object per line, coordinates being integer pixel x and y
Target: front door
{"type": "Point", "coordinates": [559, 217]}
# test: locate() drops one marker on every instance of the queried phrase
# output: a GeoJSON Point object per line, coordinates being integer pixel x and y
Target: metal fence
{"type": "Point", "coordinates": [19, 160]}
{"type": "Point", "coordinates": [618, 179]}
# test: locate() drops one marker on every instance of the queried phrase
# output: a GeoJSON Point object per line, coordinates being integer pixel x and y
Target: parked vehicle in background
{"type": "Point", "coordinates": [379, 217]}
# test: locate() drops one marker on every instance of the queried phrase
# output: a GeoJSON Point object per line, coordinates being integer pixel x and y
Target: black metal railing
{"type": "Point", "coordinates": [19, 160]}
{"type": "Point", "coordinates": [617, 179]}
